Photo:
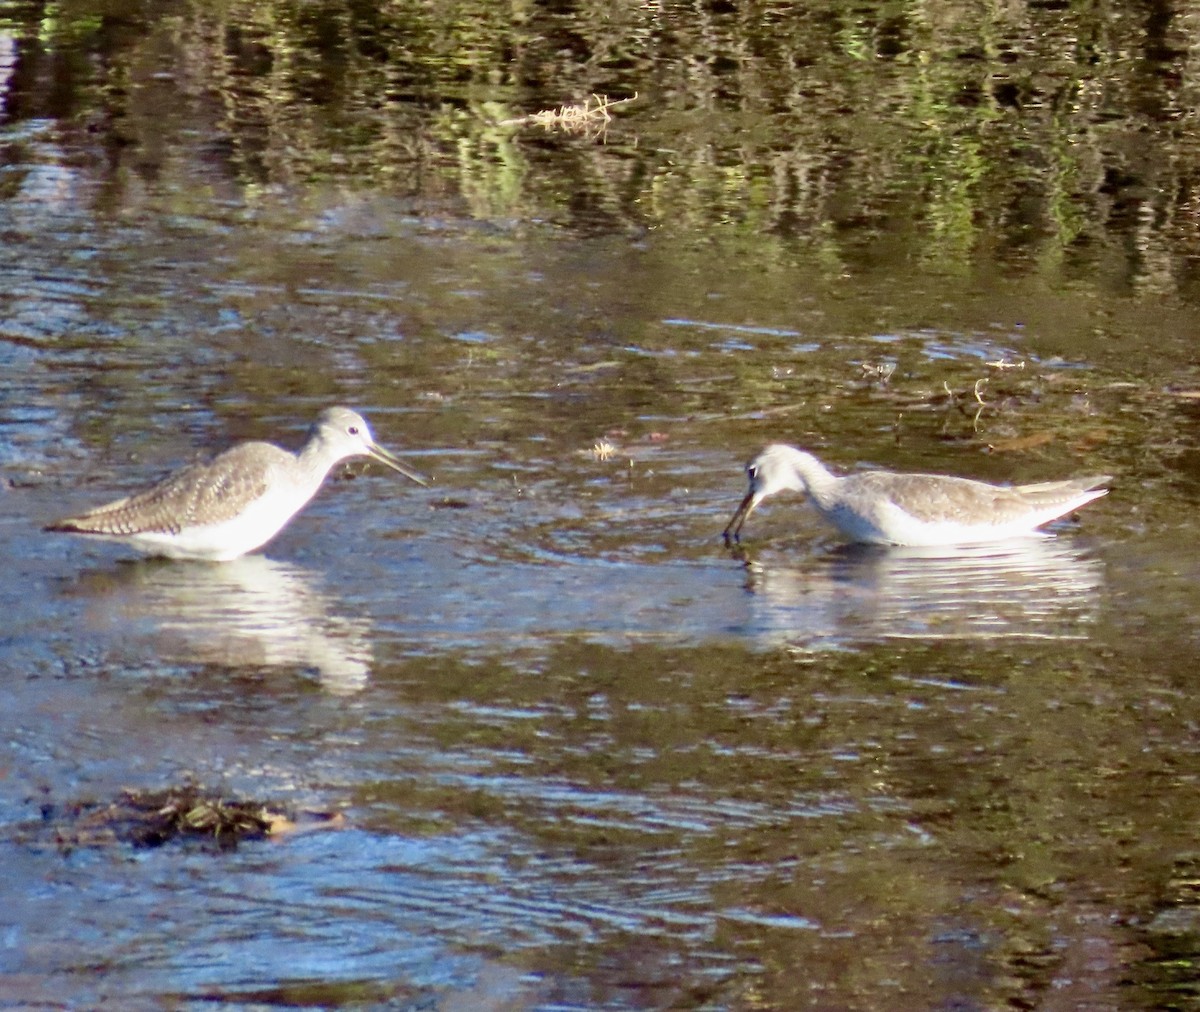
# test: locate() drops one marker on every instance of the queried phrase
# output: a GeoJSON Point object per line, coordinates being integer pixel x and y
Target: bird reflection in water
{"type": "Point", "coordinates": [252, 612]}
{"type": "Point", "coordinates": [1034, 588]}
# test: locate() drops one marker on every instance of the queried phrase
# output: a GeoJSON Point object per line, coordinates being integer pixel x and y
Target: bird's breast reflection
{"type": "Point", "coordinates": [252, 612]}
{"type": "Point", "coordinates": [1040, 587]}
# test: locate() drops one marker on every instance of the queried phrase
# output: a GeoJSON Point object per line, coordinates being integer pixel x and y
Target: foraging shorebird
{"type": "Point", "coordinates": [886, 508]}
{"type": "Point", "coordinates": [236, 502]}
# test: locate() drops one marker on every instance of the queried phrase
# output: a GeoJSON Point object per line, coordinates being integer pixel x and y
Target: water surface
{"type": "Point", "coordinates": [588, 756]}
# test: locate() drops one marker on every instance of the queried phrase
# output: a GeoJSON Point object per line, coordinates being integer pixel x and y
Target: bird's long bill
{"type": "Point", "coordinates": [382, 455]}
{"type": "Point", "coordinates": [734, 528]}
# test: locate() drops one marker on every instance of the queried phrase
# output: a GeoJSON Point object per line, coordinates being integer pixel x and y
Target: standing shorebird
{"type": "Point", "coordinates": [885, 508]}
{"type": "Point", "coordinates": [236, 502]}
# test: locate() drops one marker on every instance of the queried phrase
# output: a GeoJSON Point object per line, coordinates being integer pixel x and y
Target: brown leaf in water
{"type": "Point", "coordinates": [305, 822]}
{"type": "Point", "coordinates": [1090, 440]}
{"type": "Point", "coordinates": [1020, 443]}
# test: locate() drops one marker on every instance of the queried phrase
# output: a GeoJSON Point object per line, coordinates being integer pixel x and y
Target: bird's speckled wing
{"type": "Point", "coordinates": [200, 494]}
{"type": "Point", "coordinates": [946, 499]}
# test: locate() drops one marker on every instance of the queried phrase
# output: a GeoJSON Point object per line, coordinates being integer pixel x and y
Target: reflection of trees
{"type": "Point", "coordinates": [1045, 134]}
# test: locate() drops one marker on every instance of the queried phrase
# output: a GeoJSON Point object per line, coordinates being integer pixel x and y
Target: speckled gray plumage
{"type": "Point", "coordinates": [238, 501]}
{"type": "Point", "coordinates": [944, 498]}
{"type": "Point", "coordinates": [205, 493]}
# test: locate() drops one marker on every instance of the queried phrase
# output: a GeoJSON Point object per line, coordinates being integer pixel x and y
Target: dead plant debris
{"type": "Point", "coordinates": [591, 116]}
{"type": "Point", "coordinates": [603, 450]}
{"type": "Point", "coordinates": [151, 818]}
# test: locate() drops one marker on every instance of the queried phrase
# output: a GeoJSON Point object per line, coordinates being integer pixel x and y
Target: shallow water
{"type": "Point", "coordinates": [589, 756]}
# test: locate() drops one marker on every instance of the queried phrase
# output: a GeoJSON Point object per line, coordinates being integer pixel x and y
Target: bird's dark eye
{"type": "Point", "coordinates": [353, 430]}
{"type": "Point", "coordinates": [752, 472]}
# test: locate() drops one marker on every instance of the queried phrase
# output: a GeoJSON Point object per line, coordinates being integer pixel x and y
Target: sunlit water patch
{"type": "Point", "coordinates": [334, 909]}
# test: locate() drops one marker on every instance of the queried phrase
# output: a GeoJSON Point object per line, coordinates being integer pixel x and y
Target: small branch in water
{"type": "Point", "coordinates": [582, 117]}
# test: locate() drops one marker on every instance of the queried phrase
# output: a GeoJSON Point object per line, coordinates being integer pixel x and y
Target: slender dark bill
{"type": "Point", "coordinates": [733, 529]}
{"type": "Point", "coordinates": [384, 457]}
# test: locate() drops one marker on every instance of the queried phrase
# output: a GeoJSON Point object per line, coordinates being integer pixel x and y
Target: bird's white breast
{"type": "Point", "coordinates": [254, 526]}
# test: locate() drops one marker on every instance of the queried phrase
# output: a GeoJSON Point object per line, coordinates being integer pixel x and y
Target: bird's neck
{"type": "Point", "coordinates": [316, 460]}
{"type": "Point", "coordinates": [819, 481]}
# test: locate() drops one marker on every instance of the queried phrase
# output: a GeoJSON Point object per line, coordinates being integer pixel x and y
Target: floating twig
{"type": "Point", "coordinates": [590, 115]}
